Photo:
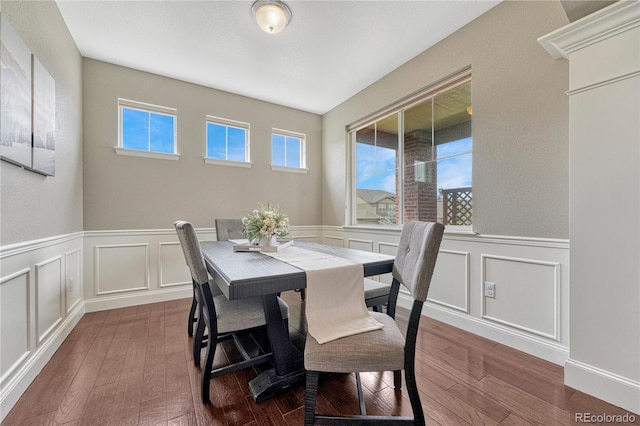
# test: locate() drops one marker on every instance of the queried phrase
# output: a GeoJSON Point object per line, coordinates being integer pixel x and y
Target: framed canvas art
{"type": "Point", "coordinates": [15, 97]}
{"type": "Point", "coordinates": [44, 120]}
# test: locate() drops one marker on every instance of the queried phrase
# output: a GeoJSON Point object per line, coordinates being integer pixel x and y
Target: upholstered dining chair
{"type": "Point", "coordinates": [228, 229]}
{"type": "Point", "coordinates": [221, 318]}
{"type": "Point", "coordinates": [225, 230]}
{"type": "Point", "coordinates": [385, 349]}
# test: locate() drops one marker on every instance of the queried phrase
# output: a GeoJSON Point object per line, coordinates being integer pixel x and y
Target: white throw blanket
{"type": "Point", "coordinates": [335, 304]}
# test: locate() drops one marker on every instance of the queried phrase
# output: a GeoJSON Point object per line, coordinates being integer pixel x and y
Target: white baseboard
{"type": "Point", "coordinates": [13, 390]}
{"type": "Point", "coordinates": [133, 299]}
{"type": "Point", "coordinates": [602, 384]}
{"type": "Point", "coordinates": [549, 351]}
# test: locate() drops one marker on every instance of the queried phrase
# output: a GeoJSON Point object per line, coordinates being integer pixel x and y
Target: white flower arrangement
{"type": "Point", "coordinates": [265, 222]}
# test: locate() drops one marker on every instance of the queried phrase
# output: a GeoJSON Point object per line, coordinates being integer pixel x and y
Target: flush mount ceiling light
{"type": "Point", "coordinates": [272, 16]}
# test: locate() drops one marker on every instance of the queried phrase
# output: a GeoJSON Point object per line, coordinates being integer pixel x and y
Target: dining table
{"type": "Point", "coordinates": [241, 274]}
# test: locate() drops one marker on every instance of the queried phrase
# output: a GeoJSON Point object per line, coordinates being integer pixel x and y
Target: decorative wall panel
{"type": "Point", "coordinates": [121, 268]}
{"type": "Point", "coordinates": [310, 238]}
{"type": "Point", "coordinates": [451, 280]}
{"type": "Point", "coordinates": [49, 297]}
{"type": "Point", "coordinates": [334, 241]}
{"type": "Point", "coordinates": [526, 294]}
{"type": "Point", "coordinates": [14, 321]}
{"type": "Point", "coordinates": [73, 278]}
{"type": "Point", "coordinates": [172, 267]}
{"type": "Point", "coordinates": [366, 245]}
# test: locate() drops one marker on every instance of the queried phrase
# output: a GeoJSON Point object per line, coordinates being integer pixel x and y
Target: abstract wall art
{"type": "Point", "coordinates": [28, 100]}
{"type": "Point", "coordinates": [44, 120]}
{"type": "Point", "coordinates": [15, 94]}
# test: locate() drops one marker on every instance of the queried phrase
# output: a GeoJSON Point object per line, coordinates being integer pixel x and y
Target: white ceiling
{"type": "Point", "coordinates": [330, 51]}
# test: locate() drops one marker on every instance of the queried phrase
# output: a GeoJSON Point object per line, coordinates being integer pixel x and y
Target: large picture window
{"type": "Point", "coordinates": [414, 162]}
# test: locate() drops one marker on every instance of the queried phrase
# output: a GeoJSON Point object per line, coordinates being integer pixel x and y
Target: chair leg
{"type": "Point", "coordinates": [397, 379]}
{"type": "Point", "coordinates": [310, 394]}
{"type": "Point", "coordinates": [414, 396]}
{"type": "Point", "coordinates": [208, 365]}
{"type": "Point", "coordinates": [363, 409]}
{"type": "Point", "coordinates": [191, 320]}
{"type": "Point", "coordinates": [197, 342]}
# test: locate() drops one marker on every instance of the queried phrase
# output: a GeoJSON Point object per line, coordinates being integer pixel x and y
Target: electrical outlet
{"type": "Point", "coordinates": [490, 290]}
{"type": "Point", "coordinates": [71, 285]}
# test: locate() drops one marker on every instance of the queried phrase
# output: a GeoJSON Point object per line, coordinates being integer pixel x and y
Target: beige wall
{"type": "Point", "coordinates": [33, 206]}
{"type": "Point", "coordinates": [520, 120]}
{"type": "Point", "coordinates": [124, 192]}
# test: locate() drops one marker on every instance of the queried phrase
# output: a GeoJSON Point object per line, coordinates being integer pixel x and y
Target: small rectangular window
{"type": "Point", "coordinates": [146, 130]}
{"type": "Point", "coordinates": [227, 140]}
{"type": "Point", "coordinates": [287, 150]}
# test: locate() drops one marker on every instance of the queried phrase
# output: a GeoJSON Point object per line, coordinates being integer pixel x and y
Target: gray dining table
{"type": "Point", "coordinates": [249, 274]}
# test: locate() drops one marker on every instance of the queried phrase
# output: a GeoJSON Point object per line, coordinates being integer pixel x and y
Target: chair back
{"type": "Point", "coordinates": [228, 229]}
{"type": "Point", "coordinates": [192, 252]}
{"type": "Point", "coordinates": [416, 256]}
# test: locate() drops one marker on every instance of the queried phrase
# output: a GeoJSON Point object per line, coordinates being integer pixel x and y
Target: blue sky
{"type": "Point", "coordinates": [218, 146]}
{"type": "Point", "coordinates": [136, 134]}
{"type": "Point", "coordinates": [285, 145]}
{"type": "Point", "coordinates": [375, 166]}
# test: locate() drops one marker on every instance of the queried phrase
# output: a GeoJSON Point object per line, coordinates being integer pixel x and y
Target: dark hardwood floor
{"type": "Point", "coordinates": [133, 366]}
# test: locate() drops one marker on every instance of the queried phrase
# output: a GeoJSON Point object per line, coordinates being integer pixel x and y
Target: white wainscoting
{"type": "Point", "coordinates": [136, 267]}
{"type": "Point", "coordinates": [40, 303]}
{"type": "Point", "coordinates": [530, 311]}
{"type": "Point", "coordinates": [46, 286]}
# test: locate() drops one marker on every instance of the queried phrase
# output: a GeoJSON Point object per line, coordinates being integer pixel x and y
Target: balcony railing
{"type": "Point", "coordinates": [457, 206]}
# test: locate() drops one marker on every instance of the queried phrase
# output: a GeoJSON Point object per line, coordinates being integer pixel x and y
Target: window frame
{"type": "Point", "coordinates": [303, 151]}
{"type": "Point", "coordinates": [228, 123]}
{"type": "Point", "coordinates": [399, 108]}
{"type": "Point", "coordinates": [151, 109]}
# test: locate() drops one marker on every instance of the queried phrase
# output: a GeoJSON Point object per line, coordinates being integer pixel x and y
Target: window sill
{"type": "Point", "coordinates": [368, 227]}
{"type": "Point", "coordinates": [289, 169]}
{"type": "Point", "coordinates": [230, 163]}
{"type": "Point", "coordinates": [147, 154]}
{"type": "Point", "coordinates": [453, 230]}
{"type": "Point", "coordinates": [459, 230]}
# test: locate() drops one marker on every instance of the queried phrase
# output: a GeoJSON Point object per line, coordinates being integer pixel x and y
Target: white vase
{"type": "Point", "coordinates": [268, 241]}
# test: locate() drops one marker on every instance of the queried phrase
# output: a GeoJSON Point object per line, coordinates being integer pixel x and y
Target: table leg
{"type": "Point", "coordinates": [288, 361]}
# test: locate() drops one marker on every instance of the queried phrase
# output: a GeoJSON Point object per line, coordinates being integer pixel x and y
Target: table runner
{"type": "Point", "coordinates": [335, 304]}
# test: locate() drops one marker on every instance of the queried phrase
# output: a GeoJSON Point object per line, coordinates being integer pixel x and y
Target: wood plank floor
{"type": "Point", "coordinates": [133, 366]}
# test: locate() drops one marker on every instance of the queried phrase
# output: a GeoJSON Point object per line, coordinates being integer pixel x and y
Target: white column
{"type": "Point", "coordinates": [603, 50]}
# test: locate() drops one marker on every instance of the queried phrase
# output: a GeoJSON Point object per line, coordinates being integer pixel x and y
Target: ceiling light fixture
{"type": "Point", "coordinates": [272, 16]}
